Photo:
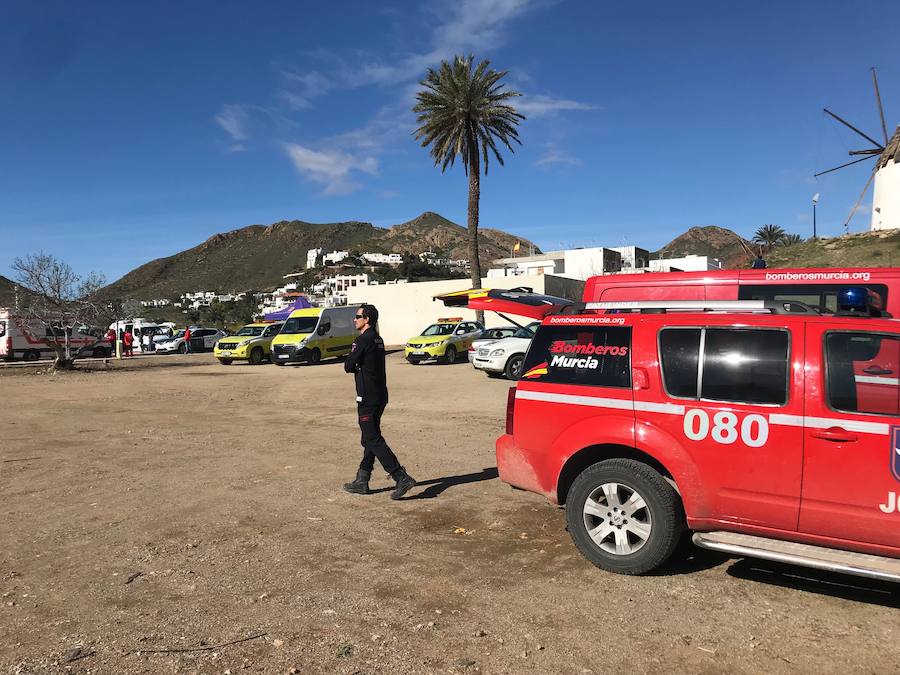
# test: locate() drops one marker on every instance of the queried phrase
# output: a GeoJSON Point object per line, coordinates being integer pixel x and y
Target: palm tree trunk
{"type": "Point", "coordinates": [474, 197]}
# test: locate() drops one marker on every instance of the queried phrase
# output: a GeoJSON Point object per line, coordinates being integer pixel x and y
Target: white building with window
{"type": "Point", "coordinates": [335, 257]}
{"type": "Point", "coordinates": [311, 256]}
{"type": "Point", "coordinates": [382, 258]}
{"type": "Point", "coordinates": [634, 258]}
{"type": "Point", "coordinates": [578, 263]}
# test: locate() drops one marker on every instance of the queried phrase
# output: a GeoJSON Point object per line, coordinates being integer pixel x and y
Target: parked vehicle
{"type": "Point", "coordinates": [314, 333]}
{"type": "Point", "coordinates": [252, 343]}
{"type": "Point", "coordinates": [29, 339]}
{"type": "Point", "coordinates": [101, 349]}
{"type": "Point", "coordinates": [138, 327]}
{"type": "Point", "coordinates": [813, 287]}
{"type": "Point", "coordinates": [489, 335]}
{"type": "Point", "coordinates": [768, 429]}
{"type": "Point", "coordinates": [443, 341]}
{"type": "Point", "coordinates": [504, 357]}
{"type": "Point", "coordinates": [202, 340]}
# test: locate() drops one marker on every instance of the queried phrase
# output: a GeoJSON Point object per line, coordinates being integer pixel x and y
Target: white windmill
{"type": "Point", "coordinates": [886, 172]}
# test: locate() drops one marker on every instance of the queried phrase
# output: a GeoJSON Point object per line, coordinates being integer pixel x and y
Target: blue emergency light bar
{"type": "Point", "coordinates": [858, 300]}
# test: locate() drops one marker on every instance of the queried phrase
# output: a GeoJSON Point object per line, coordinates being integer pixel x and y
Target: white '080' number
{"type": "Point", "coordinates": [754, 429]}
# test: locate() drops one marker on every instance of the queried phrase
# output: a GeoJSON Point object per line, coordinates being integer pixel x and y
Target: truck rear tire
{"type": "Point", "coordinates": [624, 516]}
{"type": "Point", "coordinates": [31, 355]}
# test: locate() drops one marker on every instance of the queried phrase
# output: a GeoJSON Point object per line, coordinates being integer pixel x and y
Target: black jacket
{"type": "Point", "coordinates": [366, 362]}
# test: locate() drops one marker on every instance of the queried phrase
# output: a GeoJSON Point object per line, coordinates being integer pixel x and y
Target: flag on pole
{"type": "Point", "coordinates": [517, 247]}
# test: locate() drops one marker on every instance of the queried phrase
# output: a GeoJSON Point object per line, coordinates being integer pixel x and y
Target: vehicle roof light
{"type": "Point", "coordinates": [858, 299]}
{"type": "Point", "coordinates": [451, 319]}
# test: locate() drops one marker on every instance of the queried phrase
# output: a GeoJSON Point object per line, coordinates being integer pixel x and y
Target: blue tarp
{"type": "Point", "coordinates": [282, 314]}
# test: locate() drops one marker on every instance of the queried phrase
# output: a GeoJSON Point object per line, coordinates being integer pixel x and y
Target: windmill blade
{"type": "Point", "coordinates": [870, 151]}
{"type": "Point", "coordinates": [880, 108]}
{"type": "Point", "coordinates": [859, 201]}
{"type": "Point", "coordinates": [855, 161]}
{"type": "Point", "coordinates": [850, 126]}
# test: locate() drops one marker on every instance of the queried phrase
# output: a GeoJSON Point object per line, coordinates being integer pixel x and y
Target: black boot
{"type": "Point", "coordinates": [405, 483]}
{"type": "Point", "coordinates": [361, 485]}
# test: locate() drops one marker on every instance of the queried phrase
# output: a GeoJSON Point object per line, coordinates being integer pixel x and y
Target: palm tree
{"type": "Point", "coordinates": [767, 237]}
{"type": "Point", "coordinates": [790, 240]}
{"type": "Point", "coordinates": [463, 111]}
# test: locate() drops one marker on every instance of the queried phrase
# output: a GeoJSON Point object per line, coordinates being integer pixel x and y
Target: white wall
{"type": "Point", "coordinates": [583, 263]}
{"type": "Point", "coordinates": [405, 310]}
{"type": "Point", "coordinates": [692, 263]}
{"type": "Point", "coordinates": [886, 198]}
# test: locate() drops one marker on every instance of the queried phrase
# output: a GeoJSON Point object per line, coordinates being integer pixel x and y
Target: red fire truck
{"type": "Point", "coordinates": [766, 427]}
{"type": "Point", "coordinates": [814, 287]}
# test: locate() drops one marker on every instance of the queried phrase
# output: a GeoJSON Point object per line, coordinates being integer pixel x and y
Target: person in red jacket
{"type": "Point", "coordinates": [187, 339]}
{"type": "Point", "coordinates": [128, 341]}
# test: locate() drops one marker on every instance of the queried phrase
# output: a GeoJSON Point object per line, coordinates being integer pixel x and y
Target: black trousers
{"type": "Point", "coordinates": [373, 442]}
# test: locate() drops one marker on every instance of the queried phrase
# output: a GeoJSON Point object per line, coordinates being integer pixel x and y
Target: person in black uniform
{"type": "Point", "coordinates": [366, 362]}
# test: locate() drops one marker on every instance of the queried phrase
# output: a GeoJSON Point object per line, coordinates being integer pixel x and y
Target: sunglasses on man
{"type": "Point", "coordinates": [359, 316]}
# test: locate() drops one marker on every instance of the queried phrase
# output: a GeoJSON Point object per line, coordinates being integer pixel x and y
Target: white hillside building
{"type": "Point", "coordinates": [886, 197]}
{"type": "Point", "coordinates": [311, 256]}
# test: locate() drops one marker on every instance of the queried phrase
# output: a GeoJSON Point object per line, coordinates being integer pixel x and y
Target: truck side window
{"type": "Point", "coordinates": [861, 373]}
{"type": "Point", "coordinates": [745, 366]}
{"type": "Point", "coordinates": [588, 355]}
{"type": "Point", "coordinates": [680, 352]}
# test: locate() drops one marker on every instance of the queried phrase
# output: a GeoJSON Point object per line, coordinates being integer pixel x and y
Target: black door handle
{"type": "Point", "coordinates": [877, 370]}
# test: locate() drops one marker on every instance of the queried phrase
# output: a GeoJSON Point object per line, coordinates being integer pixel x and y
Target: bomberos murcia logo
{"type": "Point", "coordinates": [566, 355]}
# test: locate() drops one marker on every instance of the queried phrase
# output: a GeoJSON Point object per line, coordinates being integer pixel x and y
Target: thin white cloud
{"type": "Point", "coordinates": [554, 156]}
{"type": "Point", "coordinates": [540, 106]}
{"type": "Point", "coordinates": [301, 88]}
{"type": "Point", "coordinates": [466, 26]}
{"type": "Point", "coordinates": [331, 168]}
{"type": "Point", "coordinates": [237, 147]}
{"type": "Point", "coordinates": [234, 119]}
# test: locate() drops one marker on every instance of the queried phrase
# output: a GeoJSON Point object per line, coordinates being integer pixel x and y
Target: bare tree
{"type": "Point", "coordinates": [61, 300]}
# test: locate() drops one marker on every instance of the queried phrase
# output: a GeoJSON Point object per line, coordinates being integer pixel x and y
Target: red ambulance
{"type": "Point", "coordinates": [766, 428]}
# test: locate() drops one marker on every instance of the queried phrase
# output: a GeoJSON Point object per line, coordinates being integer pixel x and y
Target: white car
{"type": "Point", "coordinates": [202, 339]}
{"type": "Point", "coordinates": [489, 335]}
{"type": "Point", "coordinates": [504, 356]}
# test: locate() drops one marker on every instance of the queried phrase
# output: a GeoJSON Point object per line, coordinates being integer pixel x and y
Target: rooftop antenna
{"type": "Point", "coordinates": [866, 153]}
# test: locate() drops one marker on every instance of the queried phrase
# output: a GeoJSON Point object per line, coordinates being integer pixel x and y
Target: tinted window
{"type": "Point", "coordinates": [599, 356]}
{"type": "Point", "coordinates": [747, 366]}
{"type": "Point", "coordinates": [680, 353]}
{"type": "Point", "coordinates": [299, 324]}
{"type": "Point", "coordinates": [861, 373]}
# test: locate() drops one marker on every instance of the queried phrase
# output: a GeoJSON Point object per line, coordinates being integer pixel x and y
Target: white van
{"type": "Point", "coordinates": [138, 328]}
{"type": "Point", "coordinates": [27, 339]}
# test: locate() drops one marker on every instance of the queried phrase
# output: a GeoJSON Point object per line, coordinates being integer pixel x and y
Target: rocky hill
{"type": "Point", "coordinates": [864, 249]}
{"type": "Point", "coordinates": [257, 256]}
{"type": "Point", "coordinates": [8, 292]}
{"type": "Point", "coordinates": [711, 240]}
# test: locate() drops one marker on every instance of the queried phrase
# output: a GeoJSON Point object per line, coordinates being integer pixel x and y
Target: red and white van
{"type": "Point", "coordinates": [814, 287]}
{"type": "Point", "coordinates": [745, 422]}
{"type": "Point", "coordinates": [21, 338]}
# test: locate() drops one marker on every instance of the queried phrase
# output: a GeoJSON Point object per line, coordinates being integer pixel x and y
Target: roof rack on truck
{"type": "Point", "coordinates": [664, 306]}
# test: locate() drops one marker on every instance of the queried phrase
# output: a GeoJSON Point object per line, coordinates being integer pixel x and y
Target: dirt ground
{"type": "Point", "coordinates": [173, 503]}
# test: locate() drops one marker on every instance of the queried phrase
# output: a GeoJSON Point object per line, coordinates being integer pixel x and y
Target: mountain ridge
{"type": "Point", "coordinates": [256, 257]}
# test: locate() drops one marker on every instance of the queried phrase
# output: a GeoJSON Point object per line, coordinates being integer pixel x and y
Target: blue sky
{"type": "Point", "coordinates": [131, 131]}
